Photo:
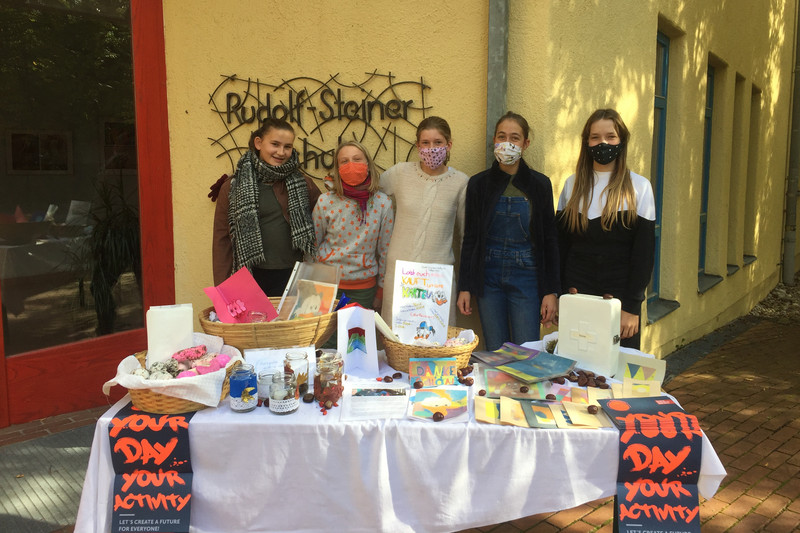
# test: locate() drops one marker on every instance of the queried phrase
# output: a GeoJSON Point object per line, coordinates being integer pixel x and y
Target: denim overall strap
{"type": "Point", "coordinates": [509, 307]}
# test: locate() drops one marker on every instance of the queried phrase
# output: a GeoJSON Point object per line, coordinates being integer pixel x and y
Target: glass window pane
{"type": "Point", "coordinates": [69, 223]}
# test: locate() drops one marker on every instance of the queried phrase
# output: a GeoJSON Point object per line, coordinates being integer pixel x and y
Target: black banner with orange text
{"type": "Point", "coordinates": [153, 483]}
{"type": "Point", "coordinates": [660, 448]}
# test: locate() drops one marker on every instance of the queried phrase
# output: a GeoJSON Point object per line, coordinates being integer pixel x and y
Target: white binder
{"type": "Point", "coordinates": [588, 331]}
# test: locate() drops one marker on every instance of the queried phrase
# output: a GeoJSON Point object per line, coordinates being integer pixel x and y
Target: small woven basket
{"type": "Point", "coordinates": [154, 402]}
{"type": "Point", "coordinates": [398, 353]}
{"type": "Point", "coordinates": [276, 334]}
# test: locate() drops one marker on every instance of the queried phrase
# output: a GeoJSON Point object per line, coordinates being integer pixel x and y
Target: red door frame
{"type": "Point", "coordinates": [69, 377]}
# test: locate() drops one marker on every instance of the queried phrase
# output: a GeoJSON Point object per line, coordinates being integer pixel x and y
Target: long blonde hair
{"type": "Point", "coordinates": [619, 190]}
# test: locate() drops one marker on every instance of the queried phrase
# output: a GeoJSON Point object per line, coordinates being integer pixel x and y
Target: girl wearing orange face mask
{"type": "Point", "coordinates": [353, 223]}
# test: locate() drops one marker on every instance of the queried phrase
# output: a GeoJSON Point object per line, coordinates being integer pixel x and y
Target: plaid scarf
{"type": "Point", "coordinates": [248, 248]}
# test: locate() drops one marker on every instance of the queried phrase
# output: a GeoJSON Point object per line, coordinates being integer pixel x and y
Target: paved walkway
{"type": "Point", "coordinates": [746, 394]}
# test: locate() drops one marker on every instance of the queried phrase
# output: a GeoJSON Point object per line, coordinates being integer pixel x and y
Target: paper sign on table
{"type": "Point", "coordinates": [374, 402]}
{"type": "Point", "coordinates": [169, 330]}
{"type": "Point", "coordinates": [356, 341]}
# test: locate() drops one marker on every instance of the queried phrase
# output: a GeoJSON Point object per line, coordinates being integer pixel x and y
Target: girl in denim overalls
{"type": "Point", "coordinates": [509, 257]}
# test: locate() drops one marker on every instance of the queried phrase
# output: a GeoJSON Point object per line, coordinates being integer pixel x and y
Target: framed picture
{"type": "Point", "coordinates": [39, 152]}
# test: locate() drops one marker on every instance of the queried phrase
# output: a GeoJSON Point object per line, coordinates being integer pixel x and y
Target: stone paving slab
{"type": "Point", "coordinates": [41, 481]}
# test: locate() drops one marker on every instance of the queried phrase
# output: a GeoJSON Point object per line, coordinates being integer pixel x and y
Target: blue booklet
{"type": "Point", "coordinates": [542, 367]}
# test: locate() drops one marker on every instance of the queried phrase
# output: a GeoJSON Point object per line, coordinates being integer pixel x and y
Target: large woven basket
{"type": "Point", "coordinates": [279, 333]}
{"type": "Point", "coordinates": [398, 354]}
{"type": "Point", "coordinates": [154, 402]}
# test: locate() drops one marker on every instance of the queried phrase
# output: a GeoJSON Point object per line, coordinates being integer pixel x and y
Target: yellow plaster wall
{"type": "Point", "coordinates": [567, 59]}
{"type": "Point", "coordinates": [444, 43]}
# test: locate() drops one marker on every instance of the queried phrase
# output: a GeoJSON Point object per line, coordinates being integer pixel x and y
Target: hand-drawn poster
{"type": "Point", "coordinates": [153, 482]}
{"type": "Point", "coordinates": [659, 465]}
{"type": "Point", "coordinates": [421, 306]}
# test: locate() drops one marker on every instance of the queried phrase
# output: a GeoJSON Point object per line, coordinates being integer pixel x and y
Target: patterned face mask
{"type": "Point", "coordinates": [507, 153]}
{"type": "Point", "coordinates": [433, 157]}
{"type": "Point", "coordinates": [605, 153]}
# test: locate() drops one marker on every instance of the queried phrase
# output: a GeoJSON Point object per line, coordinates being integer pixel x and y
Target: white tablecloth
{"type": "Point", "coordinates": [307, 472]}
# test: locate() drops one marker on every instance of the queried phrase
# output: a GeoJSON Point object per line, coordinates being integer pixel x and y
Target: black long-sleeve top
{"type": "Point", "coordinates": [483, 192]}
{"type": "Point", "coordinates": [618, 261]}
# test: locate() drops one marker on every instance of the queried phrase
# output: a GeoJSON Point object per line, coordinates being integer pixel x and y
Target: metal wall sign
{"type": "Point", "coordinates": [380, 112]}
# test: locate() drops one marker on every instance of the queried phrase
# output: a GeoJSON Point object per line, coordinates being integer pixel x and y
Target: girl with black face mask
{"type": "Point", "coordinates": [606, 218]}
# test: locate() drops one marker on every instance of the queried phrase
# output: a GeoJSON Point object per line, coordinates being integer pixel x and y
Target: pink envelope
{"type": "Point", "coordinates": [235, 297]}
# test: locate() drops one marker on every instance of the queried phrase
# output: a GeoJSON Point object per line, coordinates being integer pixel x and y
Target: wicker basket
{"type": "Point", "coordinates": [398, 354]}
{"type": "Point", "coordinates": [154, 402]}
{"type": "Point", "coordinates": [276, 334]}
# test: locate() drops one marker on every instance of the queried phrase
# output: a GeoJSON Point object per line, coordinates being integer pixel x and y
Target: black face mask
{"type": "Point", "coordinates": [605, 153]}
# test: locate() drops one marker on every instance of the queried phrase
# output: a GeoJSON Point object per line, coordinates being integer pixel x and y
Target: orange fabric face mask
{"type": "Point", "coordinates": [354, 173]}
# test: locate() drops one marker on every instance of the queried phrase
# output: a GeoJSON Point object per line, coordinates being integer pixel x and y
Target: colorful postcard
{"type": "Point", "coordinates": [540, 368]}
{"type": "Point", "coordinates": [487, 410]}
{"type": "Point", "coordinates": [561, 416]}
{"type": "Point", "coordinates": [511, 413]}
{"type": "Point", "coordinates": [515, 351]}
{"type": "Point", "coordinates": [641, 368]}
{"type": "Point", "coordinates": [433, 372]}
{"type": "Point", "coordinates": [580, 416]}
{"type": "Point", "coordinates": [539, 414]}
{"type": "Point", "coordinates": [492, 358]}
{"type": "Point", "coordinates": [440, 404]}
{"type": "Point", "coordinates": [596, 394]}
{"type": "Point", "coordinates": [561, 392]}
{"type": "Point", "coordinates": [314, 298]}
{"type": "Point", "coordinates": [579, 395]}
{"type": "Point", "coordinates": [499, 383]}
{"type": "Point", "coordinates": [634, 388]}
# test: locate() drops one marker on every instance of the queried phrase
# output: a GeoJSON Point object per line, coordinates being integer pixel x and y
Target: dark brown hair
{"type": "Point", "coordinates": [266, 125]}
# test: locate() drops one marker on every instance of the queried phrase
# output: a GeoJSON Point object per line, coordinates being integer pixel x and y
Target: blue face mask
{"type": "Point", "coordinates": [605, 153]}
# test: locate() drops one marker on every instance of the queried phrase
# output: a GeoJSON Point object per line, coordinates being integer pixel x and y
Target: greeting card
{"type": "Point", "coordinates": [237, 296]}
{"type": "Point", "coordinates": [432, 372]}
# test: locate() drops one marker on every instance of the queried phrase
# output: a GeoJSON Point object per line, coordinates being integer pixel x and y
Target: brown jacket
{"type": "Point", "coordinates": [221, 248]}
